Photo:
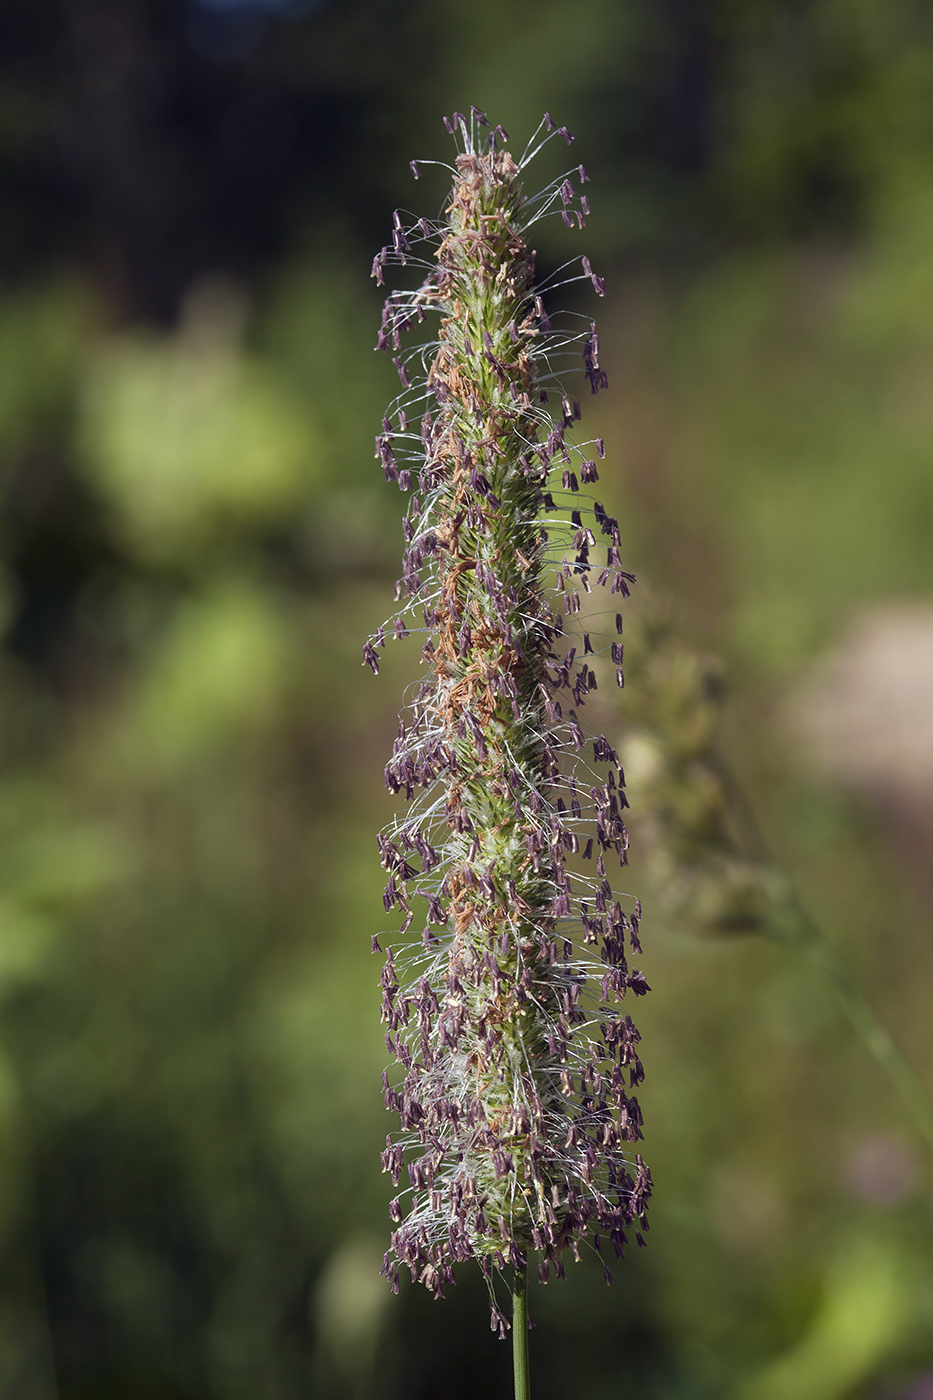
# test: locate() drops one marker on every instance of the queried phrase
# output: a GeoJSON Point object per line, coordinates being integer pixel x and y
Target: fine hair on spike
{"type": "Point", "coordinates": [514, 1063]}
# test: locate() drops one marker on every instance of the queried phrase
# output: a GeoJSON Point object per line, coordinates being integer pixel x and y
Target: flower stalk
{"type": "Point", "coordinates": [520, 1367]}
{"type": "Point", "coordinates": [515, 1059]}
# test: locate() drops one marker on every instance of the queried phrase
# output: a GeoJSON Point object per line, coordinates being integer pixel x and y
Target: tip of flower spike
{"type": "Point", "coordinates": [413, 167]}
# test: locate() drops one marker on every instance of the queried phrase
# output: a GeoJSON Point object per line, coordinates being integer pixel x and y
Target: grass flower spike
{"type": "Point", "coordinates": [516, 1062]}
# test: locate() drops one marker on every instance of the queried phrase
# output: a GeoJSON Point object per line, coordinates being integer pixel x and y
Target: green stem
{"type": "Point", "coordinates": [790, 923]}
{"type": "Point", "coordinates": [793, 924]}
{"type": "Point", "coordinates": [520, 1334]}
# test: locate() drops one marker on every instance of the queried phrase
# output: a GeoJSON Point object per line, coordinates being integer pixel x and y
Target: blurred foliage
{"type": "Point", "coordinates": [703, 869]}
{"type": "Point", "coordinates": [188, 440]}
{"type": "Point", "coordinates": [195, 539]}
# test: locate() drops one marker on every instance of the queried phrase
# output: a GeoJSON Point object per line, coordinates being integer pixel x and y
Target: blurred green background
{"type": "Point", "coordinates": [195, 542]}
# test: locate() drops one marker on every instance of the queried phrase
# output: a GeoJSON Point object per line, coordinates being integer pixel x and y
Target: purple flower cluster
{"type": "Point", "coordinates": [515, 1060]}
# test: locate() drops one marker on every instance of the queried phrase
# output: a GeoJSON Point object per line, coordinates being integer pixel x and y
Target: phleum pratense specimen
{"type": "Point", "coordinates": [516, 1060]}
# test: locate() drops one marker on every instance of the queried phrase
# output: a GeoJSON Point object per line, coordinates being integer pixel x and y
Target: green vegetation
{"type": "Point", "coordinates": [195, 542]}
